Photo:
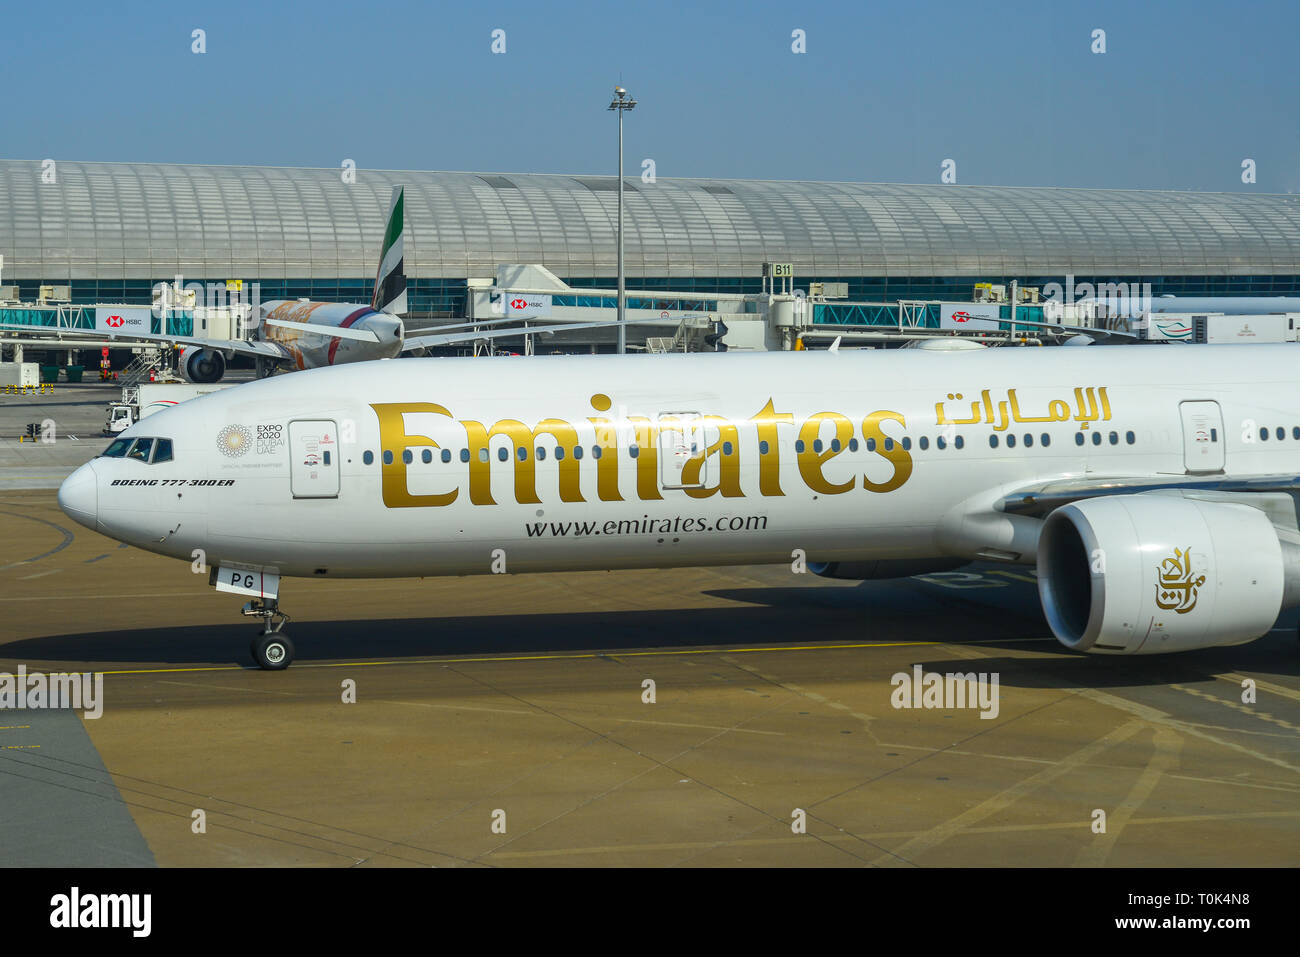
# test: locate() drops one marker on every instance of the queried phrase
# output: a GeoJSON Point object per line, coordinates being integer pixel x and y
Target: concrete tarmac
{"type": "Point", "coordinates": [506, 721]}
{"type": "Point", "coordinates": [70, 418]}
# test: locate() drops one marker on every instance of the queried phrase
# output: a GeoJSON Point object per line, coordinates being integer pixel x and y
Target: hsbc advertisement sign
{"type": "Point", "coordinates": [122, 320]}
{"type": "Point", "coordinates": [524, 306]}
{"type": "Point", "coordinates": [968, 315]}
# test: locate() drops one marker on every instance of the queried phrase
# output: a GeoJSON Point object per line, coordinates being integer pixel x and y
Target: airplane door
{"type": "Point", "coordinates": [314, 458]}
{"type": "Point", "coordinates": [681, 438]}
{"type": "Point", "coordinates": [1203, 441]}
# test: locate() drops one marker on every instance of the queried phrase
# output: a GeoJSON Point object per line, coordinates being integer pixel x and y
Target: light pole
{"type": "Point", "coordinates": [621, 102]}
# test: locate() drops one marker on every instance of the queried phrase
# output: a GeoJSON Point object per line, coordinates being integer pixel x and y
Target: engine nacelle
{"type": "Point", "coordinates": [885, 568]}
{"type": "Point", "coordinates": [1147, 574]}
{"type": "Point", "coordinates": [202, 365]}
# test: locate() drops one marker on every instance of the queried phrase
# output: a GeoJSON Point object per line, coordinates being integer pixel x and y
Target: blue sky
{"type": "Point", "coordinates": [885, 92]}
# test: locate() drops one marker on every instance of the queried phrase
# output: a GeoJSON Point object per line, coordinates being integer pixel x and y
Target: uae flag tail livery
{"type": "Point", "coordinates": [390, 280]}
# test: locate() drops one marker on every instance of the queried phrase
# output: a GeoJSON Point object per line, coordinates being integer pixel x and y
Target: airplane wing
{"type": "Point", "coordinates": [247, 347]}
{"type": "Point", "coordinates": [444, 339]}
{"type": "Point", "coordinates": [361, 335]}
{"type": "Point", "coordinates": [1062, 328]}
{"type": "Point", "coordinates": [1039, 500]}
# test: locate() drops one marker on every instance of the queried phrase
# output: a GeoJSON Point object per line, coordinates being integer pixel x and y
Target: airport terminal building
{"type": "Point", "coordinates": [111, 231]}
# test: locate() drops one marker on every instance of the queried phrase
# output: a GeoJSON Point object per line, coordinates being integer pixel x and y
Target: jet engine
{"type": "Point", "coordinates": [202, 365]}
{"type": "Point", "coordinates": [1153, 573]}
{"type": "Point", "coordinates": [885, 568]}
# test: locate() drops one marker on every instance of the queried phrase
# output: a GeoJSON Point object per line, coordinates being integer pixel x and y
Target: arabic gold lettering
{"type": "Point", "coordinates": [1178, 586]}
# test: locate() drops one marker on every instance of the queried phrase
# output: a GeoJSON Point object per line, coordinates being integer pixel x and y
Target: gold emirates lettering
{"type": "Point", "coordinates": [713, 470]}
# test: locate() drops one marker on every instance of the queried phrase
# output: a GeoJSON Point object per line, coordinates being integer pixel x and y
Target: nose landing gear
{"type": "Point", "coordinates": [271, 649]}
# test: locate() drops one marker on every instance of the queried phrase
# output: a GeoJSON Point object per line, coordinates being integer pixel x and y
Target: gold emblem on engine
{"type": "Point", "coordinates": [1178, 585]}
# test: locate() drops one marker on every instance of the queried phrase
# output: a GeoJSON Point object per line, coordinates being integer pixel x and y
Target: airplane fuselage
{"type": "Point", "coordinates": [314, 350]}
{"type": "Point", "coordinates": [449, 466]}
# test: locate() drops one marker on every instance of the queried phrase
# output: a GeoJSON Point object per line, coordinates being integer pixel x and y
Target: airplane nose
{"type": "Point", "coordinates": [79, 495]}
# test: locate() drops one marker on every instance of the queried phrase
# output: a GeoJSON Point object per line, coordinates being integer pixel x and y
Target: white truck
{"type": "Point", "coordinates": [1215, 327]}
{"type": "Point", "coordinates": [141, 401]}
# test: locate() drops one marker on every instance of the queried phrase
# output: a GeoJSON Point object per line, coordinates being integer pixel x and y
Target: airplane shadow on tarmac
{"type": "Point", "coordinates": [886, 612]}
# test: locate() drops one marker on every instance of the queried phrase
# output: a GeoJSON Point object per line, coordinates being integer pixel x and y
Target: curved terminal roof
{"type": "Point", "coordinates": [146, 220]}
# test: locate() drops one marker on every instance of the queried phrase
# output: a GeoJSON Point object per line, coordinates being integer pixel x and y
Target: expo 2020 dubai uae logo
{"type": "Point", "coordinates": [234, 440]}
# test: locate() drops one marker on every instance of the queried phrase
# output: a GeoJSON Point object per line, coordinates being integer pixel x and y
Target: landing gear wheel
{"type": "Point", "coordinates": [273, 651]}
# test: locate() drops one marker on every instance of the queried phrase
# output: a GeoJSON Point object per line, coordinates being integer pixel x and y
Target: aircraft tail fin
{"type": "Point", "coordinates": [390, 280]}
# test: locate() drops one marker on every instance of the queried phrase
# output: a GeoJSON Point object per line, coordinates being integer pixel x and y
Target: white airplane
{"type": "Point", "coordinates": [307, 334]}
{"type": "Point", "coordinates": [1152, 488]}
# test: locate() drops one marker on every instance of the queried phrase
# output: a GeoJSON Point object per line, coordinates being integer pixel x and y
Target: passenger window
{"type": "Point", "coordinates": [577, 451]}
{"type": "Point", "coordinates": [502, 454]}
{"type": "Point", "coordinates": [1045, 440]}
{"type": "Point", "coordinates": [1029, 440]}
{"type": "Point", "coordinates": [632, 450]}
{"type": "Point", "coordinates": [596, 451]}
{"type": "Point", "coordinates": [1078, 438]}
{"type": "Point", "coordinates": [522, 452]}
{"type": "Point", "coordinates": [959, 442]}
{"type": "Point", "coordinates": [1011, 441]}
{"type": "Point", "coordinates": [407, 457]}
{"type": "Point", "coordinates": [762, 447]}
{"type": "Point", "coordinates": [1114, 438]}
{"type": "Point", "coordinates": [559, 453]}
{"type": "Point", "coordinates": [368, 457]}
{"type": "Point", "coordinates": [141, 450]}
{"type": "Point", "coordinates": [817, 445]}
{"type": "Point", "coordinates": [162, 450]}
{"type": "Point", "coordinates": [446, 456]}
{"type": "Point", "coordinates": [907, 443]}
{"type": "Point", "coordinates": [798, 446]}
{"type": "Point", "coordinates": [388, 456]}
{"type": "Point", "coordinates": [940, 442]}
{"type": "Point", "coordinates": [1129, 437]}
{"type": "Point", "coordinates": [993, 441]}
{"type": "Point", "coordinates": [871, 445]}
{"type": "Point", "coordinates": [426, 456]}
{"type": "Point", "coordinates": [924, 442]}
{"type": "Point", "coordinates": [853, 445]}
{"type": "Point", "coordinates": [1096, 438]}
{"type": "Point", "coordinates": [1281, 433]}
{"type": "Point", "coordinates": [116, 449]}
{"type": "Point", "coordinates": [1263, 434]}
{"type": "Point", "coordinates": [889, 445]}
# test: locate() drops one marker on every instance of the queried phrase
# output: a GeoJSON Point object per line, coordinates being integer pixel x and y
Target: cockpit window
{"type": "Point", "coordinates": [141, 450]}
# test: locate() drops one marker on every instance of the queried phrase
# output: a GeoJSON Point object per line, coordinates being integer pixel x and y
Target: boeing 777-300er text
{"type": "Point", "coordinates": [1153, 486]}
